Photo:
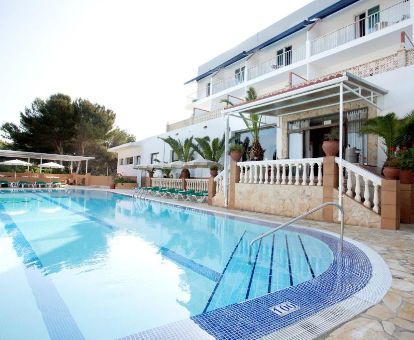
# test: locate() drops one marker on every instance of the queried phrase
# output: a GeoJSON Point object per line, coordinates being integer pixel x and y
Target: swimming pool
{"type": "Point", "coordinates": [97, 265]}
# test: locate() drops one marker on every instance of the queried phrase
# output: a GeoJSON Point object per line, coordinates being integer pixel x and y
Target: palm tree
{"type": "Point", "coordinates": [389, 128]}
{"type": "Point", "coordinates": [212, 150]}
{"type": "Point", "coordinates": [184, 151]}
{"type": "Point", "coordinates": [252, 123]}
{"type": "Point", "coordinates": [408, 130]}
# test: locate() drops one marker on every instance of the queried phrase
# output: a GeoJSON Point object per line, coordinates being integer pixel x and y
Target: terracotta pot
{"type": "Point", "coordinates": [391, 173]}
{"type": "Point", "coordinates": [330, 147]}
{"type": "Point", "coordinates": [406, 177]}
{"type": "Point", "coordinates": [213, 173]}
{"type": "Point", "coordinates": [112, 186]}
{"type": "Point", "coordinates": [236, 155]}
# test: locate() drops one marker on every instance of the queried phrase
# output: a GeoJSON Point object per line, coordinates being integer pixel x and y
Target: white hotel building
{"type": "Point", "coordinates": [371, 39]}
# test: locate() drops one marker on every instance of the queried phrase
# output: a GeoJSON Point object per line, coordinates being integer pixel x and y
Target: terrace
{"type": "Point", "coordinates": [352, 37]}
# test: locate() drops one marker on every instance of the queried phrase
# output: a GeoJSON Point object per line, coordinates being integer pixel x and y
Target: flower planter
{"type": "Point", "coordinates": [213, 173]}
{"type": "Point", "coordinates": [391, 172]}
{"type": "Point", "coordinates": [236, 155]}
{"type": "Point", "coordinates": [330, 147]}
{"type": "Point", "coordinates": [406, 177]}
{"type": "Point", "coordinates": [126, 185]}
{"type": "Point", "coordinates": [112, 186]}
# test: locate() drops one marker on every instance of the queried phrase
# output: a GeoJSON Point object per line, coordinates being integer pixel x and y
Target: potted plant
{"type": "Point", "coordinates": [236, 152]}
{"type": "Point", "coordinates": [124, 183]}
{"type": "Point", "coordinates": [406, 157]}
{"type": "Point", "coordinates": [330, 145]}
{"type": "Point", "coordinates": [213, 170]}
{"type": "Point", "coordinates": [391, 168]}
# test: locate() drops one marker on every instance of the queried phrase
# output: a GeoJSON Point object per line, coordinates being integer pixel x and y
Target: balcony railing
{"type": "Point", "coordinates": [360, 28]}
{"type": "Point", "coordinates": [282, 60]}
{"type": "Point", "coordinates": [195, 119]}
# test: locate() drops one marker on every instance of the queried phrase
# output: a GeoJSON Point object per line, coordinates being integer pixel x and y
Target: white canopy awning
{"type": "Point", "coordinates": [330, 91]}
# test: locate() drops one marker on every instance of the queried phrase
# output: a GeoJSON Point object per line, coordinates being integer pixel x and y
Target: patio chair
{"type": "Point", "coordinates": [4, 184]}
{"type": "Point", "coordinates": [24, 184]}
{"type": "Point", "coordinates": [40, 184]}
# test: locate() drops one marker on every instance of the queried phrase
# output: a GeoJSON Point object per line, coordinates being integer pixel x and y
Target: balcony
{"type": "Point", "coordinates": [360, 28]}
{"type": "Point", "coordinates": [375, 22]}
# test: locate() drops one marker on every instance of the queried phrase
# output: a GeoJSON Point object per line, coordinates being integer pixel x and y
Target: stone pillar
{"type": "Point", "coordinates": [211, 190]}
{"type": "Point", "coordinates": [407, 203]}
{"type": "Point", "coordinates": [88, 179]}
{"type": "Point", "coordinates": [234, 178]}
{"type": "Point", "coordinates": [330, 183]}
{"type": "Point", "coordinates": [390, 204]}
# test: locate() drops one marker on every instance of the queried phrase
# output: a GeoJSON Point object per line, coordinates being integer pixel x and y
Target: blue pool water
{"type": "Point", "coordinates": [97, 265]}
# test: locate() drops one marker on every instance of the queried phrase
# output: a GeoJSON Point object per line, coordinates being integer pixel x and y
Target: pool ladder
{"type": "Point", "coordinates": [293, 220]}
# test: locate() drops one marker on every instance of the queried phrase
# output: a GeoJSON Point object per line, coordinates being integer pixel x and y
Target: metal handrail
{"type": "Point", "coordinates": [319, 207]}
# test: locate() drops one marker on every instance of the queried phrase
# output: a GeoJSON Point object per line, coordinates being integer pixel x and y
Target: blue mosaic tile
{"type": "Point", "coordinates": [190, 264]}
{"type": "Point", "coordinates": [349, 272]}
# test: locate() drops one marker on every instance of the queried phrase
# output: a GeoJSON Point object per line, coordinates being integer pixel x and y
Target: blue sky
{"type": "Point", "coordinates": [131, 56]}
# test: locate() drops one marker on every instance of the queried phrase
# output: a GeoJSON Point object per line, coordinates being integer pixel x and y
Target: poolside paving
{"type": "Point", "coordinates": [393, 317]}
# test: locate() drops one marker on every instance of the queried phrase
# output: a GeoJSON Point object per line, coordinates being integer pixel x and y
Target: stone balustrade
{"type": "Point", "coordinates": [175, 183]}
{"type": "Point", "coordinates": [219, 179]}
{"type": "Point", "coordinates": [197, 184]}
{"type": "Point", "coordinates": [305, 171]}
{"type": "Point", "coordinates": [361, 185]}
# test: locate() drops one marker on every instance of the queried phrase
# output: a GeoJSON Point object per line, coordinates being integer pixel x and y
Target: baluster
{"type": "Point", "coordinates": [376, 199]}
{"type": "Point", "coordinates": [251, 173]}
{"type": "Point", "coordinates": [241, 173]}
{"type": "Point", "coordinates": [260, 169]}
{"type": "Point", "coordinates": [357, 188]}
{"type": "Point", "coordinates": [367, 201]}
{"type": "Point", "coordinates": [312, 174]}
{"type": "Point", "coordinates": [277, 174]}
{"type": "Point", "coordinates": [255, 174]}
{"type": "Point", "coordinates": [319, 174]}
{"type": "Point", "coordinates": [305, 174]}
{"type": "Point", "coordinates": [297, 172]}
{"type": "Point", "coordinates": [349, 184]}
{"type": "Point", "coordinates": [266, 174]}
{"type": "Point", "coordinates": [283, 175]}
{"type": "Point", "coordinates": [290, 174]}
{"type": "Point", "coordinates": [272, 174]}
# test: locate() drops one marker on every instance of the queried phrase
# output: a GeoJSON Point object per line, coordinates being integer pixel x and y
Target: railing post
{"type": "Point", "coordinates": [330, 183]}
{"type": "Point", "coordinates": [211, 190]}
{"type": "Point", "coordinates": [234, 179]}
{"type": "Point", "coordinates": [407, 203]}
{"type": "Point", "coordinates": [390, 204]}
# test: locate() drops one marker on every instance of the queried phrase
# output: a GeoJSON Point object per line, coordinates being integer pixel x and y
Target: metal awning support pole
{"type": "Point", "coordinates": [86, 167]}
{"type": "Point", "coordinates": [41, 162]}
{"type": "Point", "coordinates": [71, 166]}
{"type": "Point", "coordinates": [226, 160]}
{"type": "Point", "coordinates": [28, 161]}
{"type": "Point", "coordinates": [341, 138]}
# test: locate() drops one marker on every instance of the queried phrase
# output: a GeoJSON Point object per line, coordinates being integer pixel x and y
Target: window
{"type": "Point", "coordinates": [239, 75]}
{"type": "Point", "coordinates": [121, 161]}
{"type": "Point", "coordinates": [267, 137]}
{"type": "Point", "coordinates": [154, 157]}
{"type": "Point", "coordinates": [129, 160]}
{"type": "Point", "coordinates": [174, 156]}
{"type": "Point", "coordinates": [284, 56]}
{"type": "Point", "coordinates": [137, 160]}
{"type": "Point", "coordinates": [373, 18]}
{"type": "Point", "coordinates": [208, 89]}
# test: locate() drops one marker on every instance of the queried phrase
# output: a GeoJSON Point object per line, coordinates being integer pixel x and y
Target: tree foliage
{"type": "Point", "coordinates": [184, 151]}
{"type": "Point", "coordinates": [60, 125]}
{"type": "Point", "coordinates": [213, 149]}
{"type": "Point", "coordinates": [389, 128]}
